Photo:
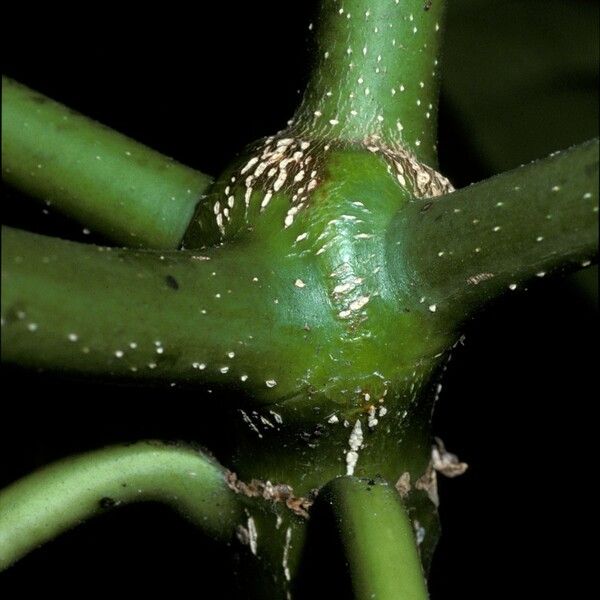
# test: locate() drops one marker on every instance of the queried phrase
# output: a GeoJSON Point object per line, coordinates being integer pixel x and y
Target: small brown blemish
{"type": "Point", "coordinates": [172, 282]}
{"type": "Point", "coordinates": [403, 484]}
{"type": "Point", "coordinates": [38, 99]}
{"type": "Point", "coordinates": [107, 502]}
{"type": "Point", "coordinates": [428, 483]}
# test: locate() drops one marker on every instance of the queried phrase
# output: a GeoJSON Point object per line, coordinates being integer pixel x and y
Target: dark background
{"type": "Point", "coordinates": [521, 81]}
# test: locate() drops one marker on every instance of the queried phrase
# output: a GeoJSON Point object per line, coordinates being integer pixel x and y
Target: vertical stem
{"type": "Point", "coordinates": [377, 73]}
{"type": "Point", "coordinates": [376, 537]}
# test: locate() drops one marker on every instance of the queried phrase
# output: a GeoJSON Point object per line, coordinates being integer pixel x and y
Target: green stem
{"type": "Point", "coordinates": [377, 538]}
{"type": "Point", "coordinates": [58, 497]}
{"type": "Point", "coordinates": [224, 316]}
{"type": "Point", "coordinates": [463, 249]}
{"type": "Point", "coordinates": [132, 195]}
{"type": "Point", "coordinates": [377, 73]}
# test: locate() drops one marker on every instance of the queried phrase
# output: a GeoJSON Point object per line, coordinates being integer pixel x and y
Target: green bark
{"type": "Point", "coordinates": [132, 195]}
{"type": "Point", "coordinates": [376, 72]}
{"type": "Point", "coordinates": [58, 497]}
{"type": "Point", "coordinates": [348, 271]}
{"type": "Point", "coordinates": [377, 539]}
{"type": "Point", "coordinates": [227, 316]}
{"type": "Point", "coordinates": [465, 249]}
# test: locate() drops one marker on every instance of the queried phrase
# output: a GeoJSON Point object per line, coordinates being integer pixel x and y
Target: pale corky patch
{"type": "Point", "coordinates": [294, 166]}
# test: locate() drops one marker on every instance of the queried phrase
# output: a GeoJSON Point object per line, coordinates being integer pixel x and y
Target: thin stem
{"type": "Point", "coordinates": [377, 73]}
{"type": "Point", "coordinates": [121, 189]}
{"type": "Point", "coordinates": [466, 248]}
{"type": "Point", "coordinates": [58, 497]}
{"type": "Point", "coordinates": [377, 538]}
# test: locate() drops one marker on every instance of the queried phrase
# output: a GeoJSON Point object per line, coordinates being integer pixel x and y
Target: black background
{"type": "Point", "coordinates": [518, 399]}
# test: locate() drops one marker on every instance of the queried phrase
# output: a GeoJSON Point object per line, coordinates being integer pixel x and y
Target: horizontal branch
{"type": "Point", "coordinates": [465, 248]}
{"type": "Point", "coordinates": [228, 315]}
{"type": "Point", "coordinates": [132, 195]}
{"type": "Point", "coordinates": [60, 496]}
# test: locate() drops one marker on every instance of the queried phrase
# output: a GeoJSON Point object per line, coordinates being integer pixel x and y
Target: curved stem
{"type": "Point", "coordinates": [129, 193]}
{"type": "Point", "coordinates": [58, 497]}
{"type": "Point", "coordinates": [377, 73]}
{"type": "Point", "coordinates": [377, 538]}
{"type": "Point", "coordinates": [466, 248]}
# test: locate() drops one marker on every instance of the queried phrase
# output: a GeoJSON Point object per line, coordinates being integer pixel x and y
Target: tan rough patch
{"type": "Point", "coordinates": [403, 485]}
{"type": "Point", "coordinates": [280, 163]}
{"type": "Point", "coordinates": [445, 462]}
{"type": "Point", "coordinates": [280, 492]}
{"type": "Point", "coordinates": [428, 483]}
{"type": "Point", "coordinates": [420, 179]}
{"type": "Point", "coordinates": [476, 279]}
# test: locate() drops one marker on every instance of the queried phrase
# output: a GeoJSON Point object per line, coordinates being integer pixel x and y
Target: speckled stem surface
{"type": "Point", "coordinates": [324, 280]}
{"type": "Point", "coordinates": [464, 249]}
{"type": "Point", "coordinates": [373, 90]}
{"type": "Point", "coordinates": [127, 192]}
{"type": "Point", "coordinates": [376, 73]}
{"type": "Point", "coordinates": [42, 505]}
{"type": "Point", "coordinates": [226, 316]}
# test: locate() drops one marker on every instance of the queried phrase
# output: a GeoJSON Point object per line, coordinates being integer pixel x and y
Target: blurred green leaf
{"type": "Point", "coordinates": [521, 80]}
{"type": "Point", "coordinates": [521, 76]}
